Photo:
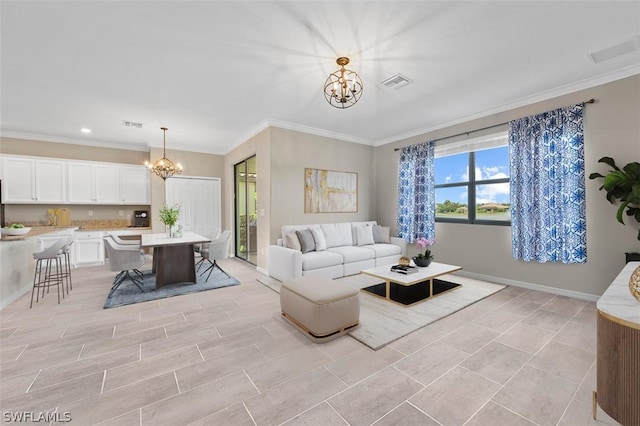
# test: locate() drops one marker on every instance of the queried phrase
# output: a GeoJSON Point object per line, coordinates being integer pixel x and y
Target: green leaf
{"type": "Point", "coordinates": [595, 176]}
{"type": "Point", "coordinates": [617, 180]}
{"type": "Point", "coordinates": [635, 194]}
{"type": "Point", "coordinates": [633, 170]}
{"type": "Point", "coordinates": [610, 198]}
{"type": "Point", "coordinates": [610, 161]}
{"type": "Point", "coordinates": [620, 211]}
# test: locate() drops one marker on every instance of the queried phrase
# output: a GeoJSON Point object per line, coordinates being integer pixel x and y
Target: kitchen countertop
{"type": "Point", "coordinates": [37, 231]}
{"type": "Point", "coordinates": [43, 230]}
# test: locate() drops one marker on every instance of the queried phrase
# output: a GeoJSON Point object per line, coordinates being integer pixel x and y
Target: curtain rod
{"type": "Point", "coordinates": [590, 101]}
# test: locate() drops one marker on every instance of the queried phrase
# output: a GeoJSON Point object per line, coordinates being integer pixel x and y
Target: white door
{"type": "Point", "coordinates": [200, 203]}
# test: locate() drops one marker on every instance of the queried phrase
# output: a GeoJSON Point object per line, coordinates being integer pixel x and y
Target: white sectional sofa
{"type": "Point", "coordinates": [333, 250]}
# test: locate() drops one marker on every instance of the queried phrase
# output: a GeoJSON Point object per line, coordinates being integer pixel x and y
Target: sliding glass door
{"type": "Point", "coordinates": [246, 210]}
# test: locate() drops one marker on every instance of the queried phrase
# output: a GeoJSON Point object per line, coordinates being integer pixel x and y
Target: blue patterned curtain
{"type": "Point", "coordinates": [416, 193]}
{"type": "Point", "coordinates": [546, 155]}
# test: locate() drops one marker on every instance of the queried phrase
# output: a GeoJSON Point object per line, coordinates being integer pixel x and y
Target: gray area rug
{"type": "Point", "coordinates": [382, 322]}
{"type": "Point", "coordinates": [128, 293]}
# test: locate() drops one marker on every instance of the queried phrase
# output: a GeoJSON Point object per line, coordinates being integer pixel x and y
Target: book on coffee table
{"type": "Point", "coordinates": [404, 269]}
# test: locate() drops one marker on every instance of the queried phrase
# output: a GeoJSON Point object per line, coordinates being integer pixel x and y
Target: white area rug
{"type": "Point", "coordinates": [382, 322]}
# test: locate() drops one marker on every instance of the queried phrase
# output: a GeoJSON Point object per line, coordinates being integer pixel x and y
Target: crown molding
{"type": "Point", "coordinates": [319, 132]}
{"type": "Point", "coordinates": [248, 135]}
{"type": "Point", "coordinates": [264, 124]}
{"type": "Point", "coordinates": [72, 141]}
{"type": "Point", "coordinates": [542, 96]}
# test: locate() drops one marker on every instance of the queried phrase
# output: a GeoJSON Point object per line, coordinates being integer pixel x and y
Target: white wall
{"type": "Point", "coordinates": [291, 153]}
{"type": "Point", "coordinates": [611, 127]}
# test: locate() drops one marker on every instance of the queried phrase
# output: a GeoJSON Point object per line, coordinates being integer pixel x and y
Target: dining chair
{"type": "Point", "coordinates": [123, 259]}
{"type": "Point", "coordinates": [211, 252]}
{"type": "Point", "coordinates": [122, 243]}
{"type": "Point", "coordinates": [198, 247]}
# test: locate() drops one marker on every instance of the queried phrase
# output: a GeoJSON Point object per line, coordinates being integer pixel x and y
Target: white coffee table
{"type": "Point", "coordinates": [413, 288]}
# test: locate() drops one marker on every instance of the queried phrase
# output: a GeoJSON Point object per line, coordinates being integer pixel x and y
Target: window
{"type": "Point", "coordinates": [479, 197]}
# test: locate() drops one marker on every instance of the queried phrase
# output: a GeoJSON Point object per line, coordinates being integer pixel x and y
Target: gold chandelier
{"type": "Point", "coordinates": [164, 167]}
{"type": "Point", "coordinates": [344, 87]}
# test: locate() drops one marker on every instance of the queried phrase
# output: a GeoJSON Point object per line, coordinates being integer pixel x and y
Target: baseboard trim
{"type": "Point", "coordinates": [262, 270]}
{"type": "Point", "coordinates": [530, 286]}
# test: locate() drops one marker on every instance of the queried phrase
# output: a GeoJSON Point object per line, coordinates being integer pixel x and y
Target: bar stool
{"type": "Point", "coordinates": [44, 277]}
{"type": "Point", "coordinates": [66, 251]}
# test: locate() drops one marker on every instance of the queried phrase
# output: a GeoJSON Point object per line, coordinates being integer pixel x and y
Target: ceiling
{"type": "Point", "coordinates": [216, 72]}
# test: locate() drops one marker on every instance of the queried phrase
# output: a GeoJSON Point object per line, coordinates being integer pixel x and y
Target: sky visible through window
{"type": "Point", "coordinates": [492, 199]}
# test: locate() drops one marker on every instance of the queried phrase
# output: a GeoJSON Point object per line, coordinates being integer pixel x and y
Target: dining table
{"type": "Point", "coordinates": [173, 260]}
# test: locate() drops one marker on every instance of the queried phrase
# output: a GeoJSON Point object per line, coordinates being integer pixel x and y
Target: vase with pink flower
{"type": "Point", "coordinates": [425, 257]}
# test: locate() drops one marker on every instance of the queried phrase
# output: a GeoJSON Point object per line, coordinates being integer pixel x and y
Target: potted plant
{"type": "Point", "coordinates": [423, 258]}
{"type": "Point", "coordinates": [622, 185]}
{"type": "Point", "coordinates": [169, 216]}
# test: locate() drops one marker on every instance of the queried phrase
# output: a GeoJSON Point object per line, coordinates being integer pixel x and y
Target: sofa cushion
{"type": "Point", "coordinates": [337, 234]}
{"type": "Point", "coordinates": [380, 234]}
{"type": "Point", "coordinates": [318, 237]}
{"type": "Point", "coordinates": [383, 250]}
{"type": "Point", "coordinates": [291, 241]}
{"type": "Point", "coordinates": [364, 235]}
{"type": "Point", "coordinates": [353, 254]}
{"type": "Point", "coordinates": [307, 243]}
{"type": "Point", "coordinates": [287, 229]}
{"type": "Point", "coordinates": [320, 259]}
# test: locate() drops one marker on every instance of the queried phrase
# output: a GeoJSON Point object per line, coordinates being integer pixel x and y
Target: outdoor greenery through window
{"type": "Point", "coordinates": [478, 197]}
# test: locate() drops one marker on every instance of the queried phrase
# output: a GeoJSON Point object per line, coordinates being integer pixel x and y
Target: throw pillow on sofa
{"type": "Point", "coordinates": [318, 237]}
{"type": "Point", "coordinates": [291, 241]}
{"type": "Point", "coordinates": [337, 234]}
{"type": "Point", "coordinates": [364, 235]}
{"type": "Point", "coordinates": [307, 242]}
{"type": "Point", "coordinates": [380, 234]}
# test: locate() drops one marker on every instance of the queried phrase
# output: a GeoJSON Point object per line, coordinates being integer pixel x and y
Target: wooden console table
{"type": "Point", "coordinates": [618, 371]}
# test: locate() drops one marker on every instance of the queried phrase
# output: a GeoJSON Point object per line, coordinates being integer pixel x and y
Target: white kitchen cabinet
{"type": "Point", "coordinates": [28, 180]}
{"type": "Point", "coordinates": [89, 248]}
{"type": "Point", "coordinates": [134, 185]}
{"type": "Point", "coordinates": [107, 183]}
{"type": "Point", "coordinates": [94, 183]}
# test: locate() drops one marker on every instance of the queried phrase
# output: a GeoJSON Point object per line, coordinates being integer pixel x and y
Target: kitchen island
{"type": "Point", "coordinates": [16, 261]}
{"type": "Point", "coordinates": [16, 252]}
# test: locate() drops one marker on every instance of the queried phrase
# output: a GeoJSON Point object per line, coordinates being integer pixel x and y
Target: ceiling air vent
{"type": "Point", "coordinates": [617, 50]}
{"type": "Point", "coordinates": [396, 81]}
{"type": "Point", "coordinates": [131, 124]}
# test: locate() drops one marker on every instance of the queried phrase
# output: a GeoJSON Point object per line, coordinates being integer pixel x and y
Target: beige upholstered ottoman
{"type": "Point", "coordinates": [321, 307]}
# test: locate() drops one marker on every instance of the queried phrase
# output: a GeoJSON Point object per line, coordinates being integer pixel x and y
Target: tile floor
{"type": "Point", "coordinates": [225, 357]}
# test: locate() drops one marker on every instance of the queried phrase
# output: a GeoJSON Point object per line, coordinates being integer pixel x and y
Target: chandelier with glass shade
{"type": "Point", "coordinates": [164, 167]}
{"type": "Point", "coordinates": [344, 87]}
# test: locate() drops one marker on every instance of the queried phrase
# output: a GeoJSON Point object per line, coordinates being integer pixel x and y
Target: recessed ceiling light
{"type": "Point", "coordinates": [85, 130]}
